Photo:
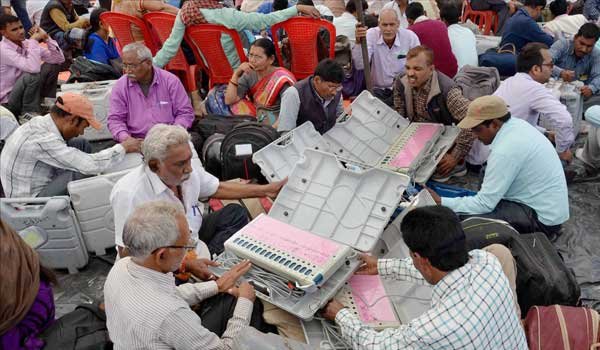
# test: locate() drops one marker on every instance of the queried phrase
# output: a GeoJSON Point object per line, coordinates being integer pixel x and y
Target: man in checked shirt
{"type": "Point", "coordinates": [472, 305]}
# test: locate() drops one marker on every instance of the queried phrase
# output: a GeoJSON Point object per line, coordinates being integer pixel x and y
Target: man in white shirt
{"type": "Point", "coordinates": [144, 308]}
{"type": "Point", "coordinates": [387, 45]}
{"type": "Point", "coordinates": [528, 99]}
{"type": "Point", "coordinates": [169, 173]}
{"type": "Point", "coordinates": [462, 39]}
{"type": "Point", "coordinates": [42, 156]}
{"type": "Point", "coordinates": [562, 25]}
{"type": "Point", "coordinates": [400, 7]}
{"type": "Point", "coordinates": [346, 23]}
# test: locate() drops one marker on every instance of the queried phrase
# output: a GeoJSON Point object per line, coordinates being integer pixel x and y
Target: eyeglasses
{"type": "Point", "coordinates": [549, 65]}
{"type": "Point", "coordinates": [192, 244]}
{"type": "Point", "coordinates": [132, 65]}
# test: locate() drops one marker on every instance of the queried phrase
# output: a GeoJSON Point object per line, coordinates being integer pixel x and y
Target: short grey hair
{"type": "Point", "coordinates": [151, 225]}
{"type": "Point", "coordinates": [160, 138]}
{"type": "Point", "coordinates": [390, 11]}
{"type": "Point", "coordinates": [142, 52]}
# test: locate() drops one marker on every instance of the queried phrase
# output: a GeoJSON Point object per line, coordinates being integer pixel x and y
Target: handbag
{"type": "Point", "coordinates": [504, 58]}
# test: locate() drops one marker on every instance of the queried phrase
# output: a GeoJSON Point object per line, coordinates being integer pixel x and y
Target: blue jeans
{"type": "Point", "coordinates": [21, 9]}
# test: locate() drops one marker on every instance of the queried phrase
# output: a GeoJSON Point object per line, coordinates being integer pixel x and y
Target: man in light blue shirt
{"type": "Point", "coordinates": [524, 182]}
{"type": "Point", "coordinates": [578, 59]}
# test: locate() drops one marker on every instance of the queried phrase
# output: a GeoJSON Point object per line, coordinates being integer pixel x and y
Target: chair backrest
{"type": "Point", "coordinates": [302, 34]}
{"type": "Point", "coordinates": [121, 23]}
{"type": "Point", "coordinates": [205, 40]}
{"type": "Point", "coordinates": [160, 25]}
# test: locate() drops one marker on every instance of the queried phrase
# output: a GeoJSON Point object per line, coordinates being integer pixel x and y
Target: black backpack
{"type": "Point", "coordinates": [205, 127]}
{"type": "Point", "coordinates": [211, 154]}
{"type": "Point", "coordinates": [82, 329]}
{"type": "Point", "coordinates": [542, 277]}
{"type": "Point", "coordinates": [238, 146]}
{"type": "Point", "coordinates": [83, 70]}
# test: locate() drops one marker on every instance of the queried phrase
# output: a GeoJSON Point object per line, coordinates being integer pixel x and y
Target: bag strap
{"type": "Point", "coordinates": [563, 327]}
{"type": "Point", "coordinates": [93, 308]}
{"type": "Point", "coordinates": [511, 48]}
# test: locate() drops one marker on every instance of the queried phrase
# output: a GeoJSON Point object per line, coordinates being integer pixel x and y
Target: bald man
{"type": "Point", "coordinates": [387, 45]}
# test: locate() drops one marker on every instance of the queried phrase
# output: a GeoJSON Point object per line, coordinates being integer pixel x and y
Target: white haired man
{"type": "Point", "coordinates": [144, 96]}
{"type": "Point", "coordinates": [387, 46]}
{"type": "Point", "coordinates": [144, 308]}
{"type": "Point", "coordinates": [170, 173]}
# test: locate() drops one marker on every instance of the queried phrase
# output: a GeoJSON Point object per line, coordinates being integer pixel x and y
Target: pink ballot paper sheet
{"type": "Point", "coordinates": [291, 240]}
{"type": "Point", "coordinates": [370, 299]}
{"type": "Point", "coordinates": [414, 145]}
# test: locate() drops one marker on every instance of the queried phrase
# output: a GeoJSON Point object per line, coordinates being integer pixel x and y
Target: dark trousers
{"type": "Point", "coordinates": [29, 89]}
{"type": "Point", "coordinates": [498, 6]}
{"type": "Point", "coordinates": [20, 8]}
{"type": "Point", "coordinates": [520, 216]}
{"type": "Point", "coordinates": [386, 95]}
{"type": "Point", "coordinates": [218, 226]}
{"type": "Point", "coordinates": [58, 185]}
{"type": "Point", "coordinates": [215, 312]}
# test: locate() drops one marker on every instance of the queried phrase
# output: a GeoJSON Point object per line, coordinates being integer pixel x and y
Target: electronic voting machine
{"type": "Point", "coordinates": [374, 134]}
{"type": "Point", "coordinates": [307, 247]}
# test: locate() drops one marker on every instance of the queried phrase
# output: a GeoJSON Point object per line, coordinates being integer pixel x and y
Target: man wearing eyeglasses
{"type": "Point", "coordinates": [529, 100]}
{"type": "Point", "coordinates": [144, 96]}
{"type": "Point", "coordinates": [144, 308]}
{"type": "Point", "coordinates": [317, 99]}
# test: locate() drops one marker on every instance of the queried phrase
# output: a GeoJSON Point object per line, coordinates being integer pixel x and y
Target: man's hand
{"type": "Point", "coordinates": [369, 265]}
{"type": "Point", "coordinates": [586, 91]}
{"type": "Point", "coordinates": [132, 145]}
{"type": "Point", "coordinates": [199, 268]}
{"type": "Point", "coordinates": [567, 156]}
{"type": "Point", "coordinates": [246, 290]}
{"type": "Point", "coordinates": [310, 11]}
{"type": "Point", "coordinates": [446, 165]}
{"type": "Point", "coordinates": [272, 190]}
{"type": "Point", "coordinates": [226, 283]}
{"type": "Point", "coordinates": [436, 197]}
{"type": "Point", "coordinates": [567, 75]}
{"type": "Point", "coordinates": [6, 10]}
{"type": "Point", "coordinates": [551, 135]}
{"type": "Point", "coordinates": [332, 309]}
{"type": "Point", "coordinates": [38, 34]}
{"type": "Point", "coordinates": [361, 32]}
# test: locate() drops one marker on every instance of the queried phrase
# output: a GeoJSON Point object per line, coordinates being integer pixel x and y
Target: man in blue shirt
{"type": "Point", "coordinates": [521, 28]}
{"type": "Point", "coordinates": [524, 182]}
{"type": "Point", "coordinates": [578, 59]}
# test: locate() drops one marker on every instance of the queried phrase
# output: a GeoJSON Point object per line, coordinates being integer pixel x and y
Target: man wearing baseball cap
{"type": "Point", "coordinates": [524, 182]}
{"type": "Point", "coordinates": [42, 156]}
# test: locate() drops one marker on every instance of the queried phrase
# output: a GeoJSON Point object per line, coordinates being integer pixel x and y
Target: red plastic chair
{"type": "Point", "coordinates": [205, 40]}
{"type": "Point", "coordinates": [160, 25]}
{"type": "Point", "coordinates": [302, 35]}
{"type": "Point", "coordinates": [120, 24]}
{"type": "Point", "coordinates": [486, 20]}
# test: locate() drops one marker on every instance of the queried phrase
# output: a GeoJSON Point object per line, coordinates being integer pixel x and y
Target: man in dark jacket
{"type": "Point", "coordinates": [425, 94]}
{"type": "Point", "coordinates": [61, 22]}
{"type": "Point", "coordinates": [317, 99]}
{"type": "Point", "coordinates": [522, 28]}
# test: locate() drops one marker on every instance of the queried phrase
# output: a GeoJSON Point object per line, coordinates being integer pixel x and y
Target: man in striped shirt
{"type": "Point", "coordinates": [472, 305]}
{"type": "Point", "coordinates": [144, 308]}
{"type": "Point", "coordinates": [42, 156]}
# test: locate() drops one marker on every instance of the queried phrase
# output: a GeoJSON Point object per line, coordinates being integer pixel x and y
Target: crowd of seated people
{"type": "Point", "coordinates": [160, 228]}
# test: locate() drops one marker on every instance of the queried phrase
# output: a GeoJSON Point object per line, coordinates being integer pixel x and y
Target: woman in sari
{"type": "Point", "coordinates": [258, 84]}
{"type": "Point", "coordinates": [27, 306]}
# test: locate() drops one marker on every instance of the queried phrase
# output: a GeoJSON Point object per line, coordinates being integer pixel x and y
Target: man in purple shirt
{"type": "Point", "coordinates": [144, 96]}
{"type": "Point", "coordinates": [24, 76]}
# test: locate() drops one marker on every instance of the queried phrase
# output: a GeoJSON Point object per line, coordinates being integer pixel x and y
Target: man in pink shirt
{"type": "Point", "coordinates": [144, 96]}
{"type": "Point", "coordinates": [28, 70]}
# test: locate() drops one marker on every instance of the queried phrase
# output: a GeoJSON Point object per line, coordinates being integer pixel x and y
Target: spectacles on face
{"type": "Point", "coordinates": [191, 245]}
{"type": "Point", "coordinates": [132, 66]}
{"type": "Point", "coordinates": [549, 65]}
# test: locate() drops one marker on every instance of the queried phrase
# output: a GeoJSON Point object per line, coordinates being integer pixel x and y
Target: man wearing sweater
{"type": "Point", "coordinates": [61, 22]}
{"type": "Point", "coordinates": [522, 28]}
{"type": "Point", "coordinates": [434, 35]}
